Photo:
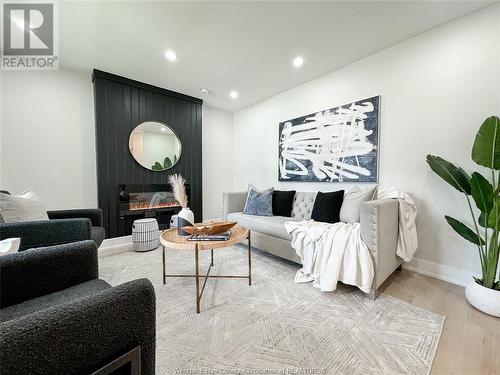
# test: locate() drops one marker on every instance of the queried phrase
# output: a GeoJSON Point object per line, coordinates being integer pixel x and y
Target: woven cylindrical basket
{"type": "Point", "coordinates": [145, 235]}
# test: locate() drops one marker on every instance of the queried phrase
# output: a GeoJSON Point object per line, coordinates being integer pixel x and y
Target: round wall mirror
{"type": "Point", "coordinates": [155, 146]}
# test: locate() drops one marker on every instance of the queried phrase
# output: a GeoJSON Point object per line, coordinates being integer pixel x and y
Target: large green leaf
{"type": "Point", "coordinates": [453, 175]}
{"type": "Point", "coordinates": [486, 148]}
{"type": "Point", "coordinates": [481, 220]}
{"type": "Point", "coordinates": [491, 216]}
{"type": "Point", "coordinates": [464, 231]}
{"type": "Point", "coordinates": [157, 167]}
{"type": "Point", "coordinates": [482, 192]}
{"type": "Point", "coordinates": [167, 163]}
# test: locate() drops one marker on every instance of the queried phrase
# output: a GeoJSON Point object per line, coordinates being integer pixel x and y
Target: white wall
{"type": "Point", "coordinates": [436, 90]}
{"type": "Point", "coordinates": [217, 159]}
{"type": "Point", "coordinates": [47, 141]}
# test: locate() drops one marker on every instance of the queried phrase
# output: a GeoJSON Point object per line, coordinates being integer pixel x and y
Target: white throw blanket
{"type": "Point", "coordinates": [331, 253]}
{"type": "Point", "coordinates": [407, 234]}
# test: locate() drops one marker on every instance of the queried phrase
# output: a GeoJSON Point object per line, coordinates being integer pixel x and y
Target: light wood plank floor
{"type": "Point", "coordinates": [470, 343]}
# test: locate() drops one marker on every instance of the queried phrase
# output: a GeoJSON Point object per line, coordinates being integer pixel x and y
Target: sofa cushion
{"type": "Point", "coordinates": [259, 202]}
{"type": "Point", "coordinates": [21, 207]}
{"type": "Point", "coordinates": [270, 225]}
{"type": "Point", "coordinates": [283, 202]}
{"type": "Point", "coordinates": [327, 206]}
{"type": "Point", "coordinates": [351, 206]}
{"type": "Point", "coordinates": [66, 295]}
{"type": "Point", "coordinates": [303, 205]}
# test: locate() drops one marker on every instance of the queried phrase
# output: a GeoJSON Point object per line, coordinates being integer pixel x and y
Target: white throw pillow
{"type": "Point", "coordinates": [351, 206]}
{"type": "Point", "coordinates": [22, 207]}
{"type": "Point", "coordinates": [9, 246]}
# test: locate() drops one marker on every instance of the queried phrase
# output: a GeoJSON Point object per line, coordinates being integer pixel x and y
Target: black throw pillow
{"type": "Point", "coordinates": [327, 207]}
{"type": "Point", "coordinates": [282, 202]}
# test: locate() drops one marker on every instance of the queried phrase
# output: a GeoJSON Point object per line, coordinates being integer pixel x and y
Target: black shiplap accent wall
{"type": "Point", "coordinates": [120, 105]}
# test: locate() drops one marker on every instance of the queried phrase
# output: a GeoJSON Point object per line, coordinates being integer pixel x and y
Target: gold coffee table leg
{"type": "Point", "coordinates": [197, 277]}
{"type": "Point", "coordinates": [164, 278]}
{"type": "Point", "coordinates": [170, 239]}
{"type": "Point", "coordinates": [249, 260]}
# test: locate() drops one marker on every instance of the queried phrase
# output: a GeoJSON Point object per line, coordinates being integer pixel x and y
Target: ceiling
{"type": "Point", "coordinates": [242, 46]}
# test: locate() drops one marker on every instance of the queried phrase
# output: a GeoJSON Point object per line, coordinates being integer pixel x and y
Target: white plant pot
{"type": "Point", "coordinates": [485, 299]}
{"type": "Point", "coordinates": [185, 218]}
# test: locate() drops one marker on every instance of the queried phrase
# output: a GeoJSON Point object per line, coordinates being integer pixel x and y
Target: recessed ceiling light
{"type": "Point", "coordinates": [298, 61]}
{"type": "Point", "coordinates": [204, 91]}
{"type": "Point", "coordinates": [170, 55]}
{"type": "Point", "coordinates": [233, 94]}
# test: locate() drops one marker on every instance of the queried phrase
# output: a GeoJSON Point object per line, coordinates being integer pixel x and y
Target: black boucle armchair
{"type": "Point", "coordinates": [57, 317]}
{"type": "Point", "coordinates": [64, 226]}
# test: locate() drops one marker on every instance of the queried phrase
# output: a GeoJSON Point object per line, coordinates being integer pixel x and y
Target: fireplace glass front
{"type": "Point", "coordinates": [151, 200]}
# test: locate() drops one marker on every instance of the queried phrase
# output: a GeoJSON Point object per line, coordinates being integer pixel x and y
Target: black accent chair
{"type": "Point", "coordinates": [64, 226]}
{"type": "Point", "coordinates": [57, 317]}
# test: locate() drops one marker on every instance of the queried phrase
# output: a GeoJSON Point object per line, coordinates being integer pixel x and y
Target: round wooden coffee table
{"type": "Point", "coordinates": [170, 239]}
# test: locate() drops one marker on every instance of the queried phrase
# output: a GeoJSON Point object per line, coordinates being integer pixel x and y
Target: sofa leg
{"type": "Point", "coordinates": [400, 267]}
{"type": "Point", "coordinates": [373, 294]}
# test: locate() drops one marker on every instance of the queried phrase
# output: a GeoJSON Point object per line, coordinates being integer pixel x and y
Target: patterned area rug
{"type": "Point", "coordinates": [275, 326]}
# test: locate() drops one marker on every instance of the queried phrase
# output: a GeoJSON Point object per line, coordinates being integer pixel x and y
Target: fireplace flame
{"type": "Point", "coordinates": [149, 206]}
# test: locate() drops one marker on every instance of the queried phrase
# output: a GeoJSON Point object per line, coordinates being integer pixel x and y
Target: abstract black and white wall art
{"type": "Point", "coordinates": [336, 145]}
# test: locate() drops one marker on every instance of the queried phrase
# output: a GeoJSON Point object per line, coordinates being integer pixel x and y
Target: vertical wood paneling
{"type": "Point", "coordinates": [122, 104]}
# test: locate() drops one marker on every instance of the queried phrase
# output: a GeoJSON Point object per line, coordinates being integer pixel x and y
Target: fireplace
{"type": "Point", "coordinates": [147, 201]}
{"type": "Point", "coordinates": [151, 200]}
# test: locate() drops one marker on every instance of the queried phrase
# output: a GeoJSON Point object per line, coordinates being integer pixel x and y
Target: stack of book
{"type": "Point", "coordinates": [210, 237]}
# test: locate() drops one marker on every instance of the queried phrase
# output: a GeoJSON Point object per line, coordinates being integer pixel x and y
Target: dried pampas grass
{"type": "Point", "coordinates": [177, 182]}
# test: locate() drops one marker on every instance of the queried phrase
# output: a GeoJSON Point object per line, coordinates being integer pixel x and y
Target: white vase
{"type": "Point", "coordinates": [485, 299]}
{"type": "Point", "coordinates": [185, 218]}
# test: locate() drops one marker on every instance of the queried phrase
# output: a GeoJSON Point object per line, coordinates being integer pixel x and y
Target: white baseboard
{"type": "Point", "coordinates": [440, 271]}
{"type": "Point", "coordinates": [111, 246]}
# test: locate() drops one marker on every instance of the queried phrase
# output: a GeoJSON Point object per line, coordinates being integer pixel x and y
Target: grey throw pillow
{"type": "Point", "coordinates": [351, 207]}
{"type": "Point", "coordinates": [259, 202]}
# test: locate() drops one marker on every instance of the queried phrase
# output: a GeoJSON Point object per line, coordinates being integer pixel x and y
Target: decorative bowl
{"type": "Point", "coordinates": [210, 228]}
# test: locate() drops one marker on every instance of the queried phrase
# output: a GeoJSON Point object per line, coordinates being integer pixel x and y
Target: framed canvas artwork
{"type": "Point", "coordinates": [336, 145]}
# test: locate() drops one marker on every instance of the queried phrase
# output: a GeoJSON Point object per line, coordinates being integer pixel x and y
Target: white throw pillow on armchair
{"type": "Point", "coordinates": [21, 207]}
{"type": "Point", "coordinates": [9, 246]}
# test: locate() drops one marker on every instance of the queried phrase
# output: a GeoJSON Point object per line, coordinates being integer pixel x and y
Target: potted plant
{"type": "Point", "coordinates": [483, 293]}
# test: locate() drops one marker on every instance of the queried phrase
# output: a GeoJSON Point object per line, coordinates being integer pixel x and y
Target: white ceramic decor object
{"type": "Point", "coordinates": [9, 245]}
{"type": "Point", "coordinates": [185, 218]}
{"type": "Point", "coordinates": [173, 221]}
{"type": "Point", "coordinates": [485, 299]}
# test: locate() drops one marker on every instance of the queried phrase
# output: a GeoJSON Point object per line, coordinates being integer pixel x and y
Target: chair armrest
{"type": "Point", "coordinates": [233, 202]}
{"type": "Point", "coordinates": [379, 221]}
{"type": "Point", "coordinates": [81, 336]}
{"type": "Point", "coordinates": [94, 214]}
{"type": "Point", "coordinates": [37, 272]}
{"type": "Point", "coordinates": [47, 232]}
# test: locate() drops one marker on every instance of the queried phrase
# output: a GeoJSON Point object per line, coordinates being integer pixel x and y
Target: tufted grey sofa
{"type": "Point", "coordinates": [379, 229]}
